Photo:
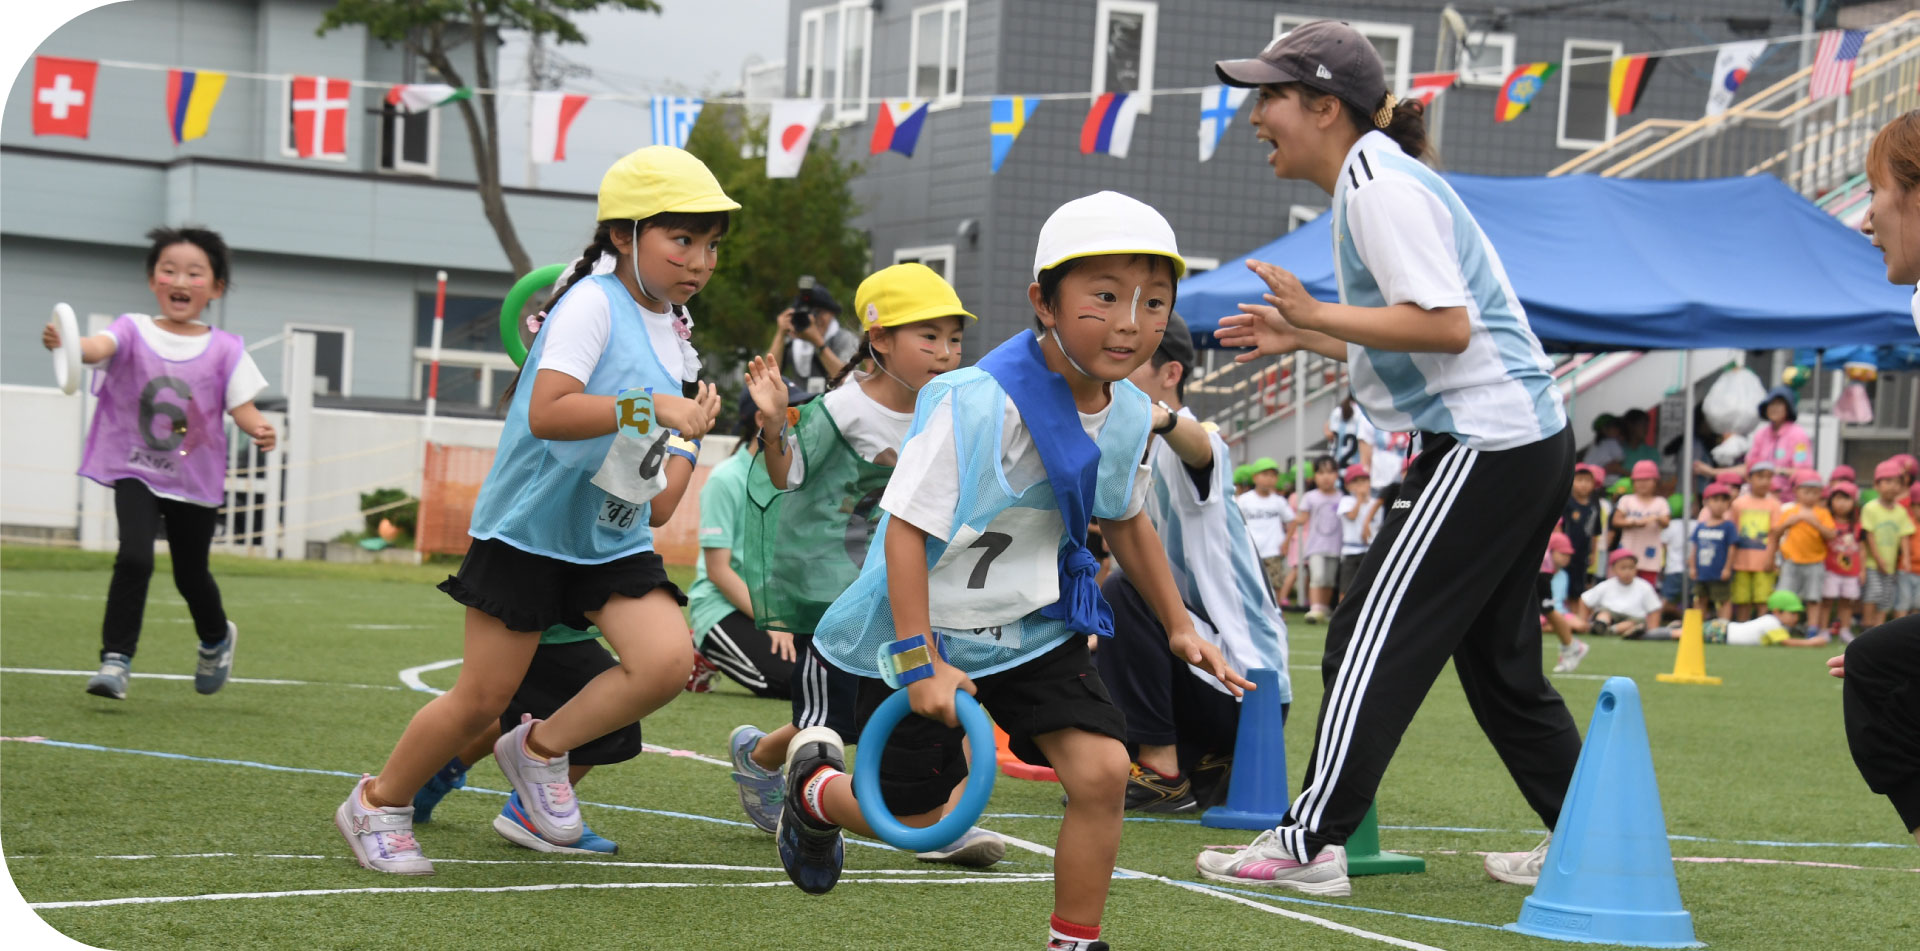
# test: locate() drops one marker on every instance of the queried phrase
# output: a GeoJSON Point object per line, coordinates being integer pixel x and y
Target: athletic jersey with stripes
{"type": "Point", "coordinates": [1401, 235]}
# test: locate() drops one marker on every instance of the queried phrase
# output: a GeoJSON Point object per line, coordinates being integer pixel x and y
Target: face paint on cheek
{"type": "Point", "coordinates": [1133, 310]}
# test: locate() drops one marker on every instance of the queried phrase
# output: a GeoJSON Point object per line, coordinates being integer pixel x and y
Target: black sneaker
{"type": "Point", "coordinates": [813, 852]}
{"type": "Point", "coordinates": [1148, 791]}
{"type": "Point", "coordinates": [1211, 779]}
{"type": "Point", "coordinates": [1059, 945]}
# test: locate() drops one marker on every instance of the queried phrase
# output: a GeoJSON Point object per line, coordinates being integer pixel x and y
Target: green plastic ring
{"type": "Point", "coordinates": [516, 299]}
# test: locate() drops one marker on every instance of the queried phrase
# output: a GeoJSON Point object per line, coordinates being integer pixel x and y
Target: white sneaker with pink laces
{"type": "Point", "coordinates": [1267, 862]}
{"type": "Point", "coordinates": [381, 837]}
{"type": "Point", "coordinates": [545, 792]}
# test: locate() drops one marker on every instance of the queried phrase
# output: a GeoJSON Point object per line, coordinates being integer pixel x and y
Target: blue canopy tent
{"type": "Point", "coordinates": [1626, 264]}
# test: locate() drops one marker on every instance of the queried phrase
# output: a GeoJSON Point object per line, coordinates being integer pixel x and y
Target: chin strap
{"type": "Point", "coordinates": [1063, 352]}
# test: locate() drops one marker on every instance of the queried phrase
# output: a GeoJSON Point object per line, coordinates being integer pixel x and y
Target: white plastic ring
{"type": "Point", "coordinates": [66, 357]}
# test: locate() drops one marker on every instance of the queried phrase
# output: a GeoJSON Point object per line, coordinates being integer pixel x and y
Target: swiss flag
{"type": "Point", "coordinates": [320, 115]}
{"type": "Point", "coordinates": [62, 95]}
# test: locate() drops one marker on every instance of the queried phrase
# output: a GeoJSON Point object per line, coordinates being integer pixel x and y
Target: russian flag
{"type": "Point", "coordinates": [1108, 128]}
{"type": "Point", "coordinates": [899, 127]}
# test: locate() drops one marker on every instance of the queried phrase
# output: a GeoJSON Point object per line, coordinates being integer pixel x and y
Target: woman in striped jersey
{"type": "Point", "coordinates": [1438, 344]}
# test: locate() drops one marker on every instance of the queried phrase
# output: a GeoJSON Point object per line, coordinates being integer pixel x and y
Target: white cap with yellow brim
{"type": "Point", "coordinates": [904, 294]}
{"type": "Point", "coordinates": [656, 179]}
{"type": "Point", "coordinates": [1105, 223]}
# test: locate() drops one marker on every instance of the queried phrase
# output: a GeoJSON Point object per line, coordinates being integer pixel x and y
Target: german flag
{"type": "Point", "coordinates": [1629, 80]}
{"type": "Point", "coordinates": [1518, 92]}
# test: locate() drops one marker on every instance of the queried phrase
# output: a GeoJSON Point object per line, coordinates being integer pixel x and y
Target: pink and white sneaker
{"type": "Point", "coordinates": [545, 792]}
{"type": "Point", "coordinates": [1267, 862]}
{"type": "Point", "coordinates": [381, 838]}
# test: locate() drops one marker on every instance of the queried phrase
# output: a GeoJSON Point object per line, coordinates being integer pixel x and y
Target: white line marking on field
{"type": "Point", "coordinates": [232, 680]}
{"type": "Point", "coordinates": [500, 889]}
{"type": "Point", "coordinates": [609, 863]}
{"type": "Point", "coordinates": [389, 627]}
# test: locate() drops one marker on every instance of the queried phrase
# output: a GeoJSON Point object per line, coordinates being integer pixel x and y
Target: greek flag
{"type": "Point", "coordinates": [673, 119]}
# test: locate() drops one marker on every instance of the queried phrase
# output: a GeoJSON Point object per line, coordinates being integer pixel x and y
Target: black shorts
{"type": "Point", "coordinates": [823, 695]}
{"type": "Point", "coordinates": [557, 673]}
{"type": "Point", "coordinates": [529, 592]}
{"type": "Point", "coordinates": [745, 654]}
{"type": "Point", "coordinates": [1057, 690]}
{"type": "Point", "coordinates": [1545, 589]}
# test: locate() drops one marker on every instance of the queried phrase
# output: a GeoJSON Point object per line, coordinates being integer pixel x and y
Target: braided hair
{"type": "Point", "coordinates": [602, 243]}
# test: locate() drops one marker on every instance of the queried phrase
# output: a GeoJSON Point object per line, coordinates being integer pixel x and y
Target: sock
{"type": "Point", "coordinates": [813, 794]}
{"type": "Point", "coordinates": [1065, 934]}
{"type": "Point", "coordinates": [1172, 777]}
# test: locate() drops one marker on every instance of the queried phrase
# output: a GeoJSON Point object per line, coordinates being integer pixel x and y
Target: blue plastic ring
{"type": "Point", "coordinates": [973, 802]}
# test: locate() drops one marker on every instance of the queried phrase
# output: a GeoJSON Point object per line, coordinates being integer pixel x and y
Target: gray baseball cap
{"type": "Point", "coordinates": [1326, 55]}
{"type": "Point", "coordinates": [1177, 345]}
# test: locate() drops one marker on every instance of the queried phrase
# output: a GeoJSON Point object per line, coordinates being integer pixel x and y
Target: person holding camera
{"type": "Point", "coordinates": [809, 344]}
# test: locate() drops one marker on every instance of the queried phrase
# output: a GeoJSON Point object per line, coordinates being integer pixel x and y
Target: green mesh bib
{"type": "Point", "coordinates": [802, 547]}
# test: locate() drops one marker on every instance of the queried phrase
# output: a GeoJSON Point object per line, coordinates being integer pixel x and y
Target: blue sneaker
{"type": "Point", "coordinates": [215, 663]}
{"type": "Point", "coordinates": [761, 790]}
{"type": "Point", "coordinates": [813, 852]}
{"type": "Point", "coordinates": [513, 825]}
{"type": "Point", "coordinates": [450, 777]}
{"type": "Point", "coordinates": [111, 681]}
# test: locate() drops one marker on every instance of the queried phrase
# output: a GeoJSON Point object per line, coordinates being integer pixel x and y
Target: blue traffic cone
{"type": "Point", "coordinates": [1608, 877]}
{"type": "Point", "coordinates": [1257, 791]}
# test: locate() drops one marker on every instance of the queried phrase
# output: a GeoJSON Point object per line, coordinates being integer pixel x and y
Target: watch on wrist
{"type": "Point", "coordinates": [1173, 419]}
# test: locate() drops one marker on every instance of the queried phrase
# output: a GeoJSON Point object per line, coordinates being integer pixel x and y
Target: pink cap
{"type": "Point", "coordinates": [1560, 543]}
{"type": "Point", "coordinates": [1843, 488]}
{"type": "Point", "coordinates": [1731, 477]}
{"type": "Point", "coordinates": [1841, 473]}
{"type": "Point", "coordinates": [1599, 474]}
{"type": "Point", "coordinates": [1807, 477]}
{"type": "Point", "coordinates": [1619, 553]}
{"type": "Point", "coordinates": [1908, 464]}
{"type": "Point", "coordinates": [1355, 471]}
{"type": "Point", "coordinates": [1890, 469]}
{"type": "Point", "coordinates": [1718, 488]}
{"type": "Point", "coordinates": [1646, 469]}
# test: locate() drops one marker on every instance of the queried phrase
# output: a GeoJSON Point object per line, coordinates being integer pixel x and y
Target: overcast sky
{"type": "Point", "coordinates": [691, 47]}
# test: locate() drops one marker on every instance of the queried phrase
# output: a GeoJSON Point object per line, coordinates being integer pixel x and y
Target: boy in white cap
{"type": "Point", "coordinates": [980, 579]}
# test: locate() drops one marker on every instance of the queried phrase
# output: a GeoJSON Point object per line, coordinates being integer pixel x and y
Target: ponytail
{"type": "Point", "coordinates": [602, 243]}
{"type": "Point", "coordinates": [861, 355]}
{"type": "Point", "coordinates": [1406, 125]}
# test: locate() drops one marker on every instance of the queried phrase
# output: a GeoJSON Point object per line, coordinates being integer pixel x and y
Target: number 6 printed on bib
{"type": "Point", "coordinates": [635, 468]}
{"type": "Point", "coordinates": [996, 575]}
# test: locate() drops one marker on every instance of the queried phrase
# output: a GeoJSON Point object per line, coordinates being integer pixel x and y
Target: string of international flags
{"type": "Point", "coordinates": [320, 106]}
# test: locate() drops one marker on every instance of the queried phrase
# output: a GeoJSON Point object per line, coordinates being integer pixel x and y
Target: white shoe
{"type": "Point", "coordinates": [976, 848]}
{"type": "Point", "coordinates": [1518, 868]}
{"type": "Point", "coordinates": [382, 838]}
{"type": "Point", "coordinates": [1571, 655]}
{"type": "Point", "coordinates": [544, 790]}
{"type": "Point", "coordinates": [1267, 862]}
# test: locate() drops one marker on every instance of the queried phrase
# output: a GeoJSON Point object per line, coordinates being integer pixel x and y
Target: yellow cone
{"type": "Point", "coordinates": [1690, 663]}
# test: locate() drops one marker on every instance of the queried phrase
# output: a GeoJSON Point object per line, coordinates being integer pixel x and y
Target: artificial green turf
{"type": "Point", "coordinates": [1760, 758]}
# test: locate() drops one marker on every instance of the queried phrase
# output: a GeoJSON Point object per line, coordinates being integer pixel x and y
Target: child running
{"type": "Point", "coordinates": [159, 443]}
{"type": "Point", "coordinates": [1437, 342]}
{"type": "Point", "coordinates": [560, 528]}
{"type": "Point", "coordinates": [817, 493]}
{"type": "Point", "coordinates": [980, 579]}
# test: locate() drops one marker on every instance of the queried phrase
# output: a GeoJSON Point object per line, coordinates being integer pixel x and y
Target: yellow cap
{"type": "Point", "coordinates": [905, 294]}
{"type": "Point", "coordinates": [659, 178]}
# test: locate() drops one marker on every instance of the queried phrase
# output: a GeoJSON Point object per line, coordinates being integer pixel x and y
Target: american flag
{"type": "Point", "coordinates": [1833, 63]}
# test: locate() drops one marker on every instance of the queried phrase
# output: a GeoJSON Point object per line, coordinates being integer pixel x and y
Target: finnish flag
{"type": "Point", "coordinates": [1218, 105]}
{"type": "Point", "coordinates": [673, 119]}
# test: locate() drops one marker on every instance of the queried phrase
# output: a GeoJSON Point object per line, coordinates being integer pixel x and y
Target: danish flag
{"type": "Point", "coordinates": [320, 116]}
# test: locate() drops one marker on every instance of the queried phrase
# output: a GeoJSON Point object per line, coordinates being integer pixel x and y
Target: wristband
{"type": "Point", "coordinates": [633, 412]}
{"type": "Point", "coordinates": [1173, 419]}
{"type": "Point", "coordinates": [909, 660]}
{"type": "Point", "coordinates": [688, 449]}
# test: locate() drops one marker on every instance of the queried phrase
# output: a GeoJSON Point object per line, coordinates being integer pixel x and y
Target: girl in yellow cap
{"type": "Point", "coordinates": [818, 491]}
{"type": "Point", "coordinates": [562, 527]}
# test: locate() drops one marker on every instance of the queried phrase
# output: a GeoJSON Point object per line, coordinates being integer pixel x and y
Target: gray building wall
{"type": "Point", "coordinates": [1231, 204]}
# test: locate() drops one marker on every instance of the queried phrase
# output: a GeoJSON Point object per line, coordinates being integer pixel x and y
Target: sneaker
{"type": "Point", "coordinates": [1212, 779]}
{"type": "Point", "coordinates": [1316, 617]}
{"type": "Point", "coordinates": [514, 826]}
{"type": "Point", "coordinates": [1057, 944]}
{"type": "Point", "coordinates": [812, 851]}
{"type": "Point", "coordinates": [976, 848]}
{"type": "Point", "coordinates": [450, 777]}
{"type": "Point", "coordinates": [1571, 655]}
{"type": "Point", "coordinates": [761, 790]}
{"type": "Point", "coordinates": [1149, 791]}
{"type": "Point", "coordinates": [542, 785]}
{"type": "Point", "coordinates": [1267, 862]}
{"type": "Point", "coordinates": [382, 838]}
{"type": "Point", "coordinates": [216, 662]}
{"type": "Point", "coordinates": [111, 681]}
{"type": "Point", "coordinates": [1518, 868]}
{"type": "Point", "coordinates": [701, 680]}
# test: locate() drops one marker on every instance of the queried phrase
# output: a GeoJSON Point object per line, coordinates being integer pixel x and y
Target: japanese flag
{"type": "Point", "coordinates": [789, 128]}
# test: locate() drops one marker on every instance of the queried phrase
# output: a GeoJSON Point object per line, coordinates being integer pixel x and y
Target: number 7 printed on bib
{"type": "Point", "coordinates": [991, 577]}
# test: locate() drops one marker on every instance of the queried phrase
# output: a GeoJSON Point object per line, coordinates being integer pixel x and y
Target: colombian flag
{"type": "Point", "coordinates": [1518, 92]}
{"type": "Point", "coordinates": [1628, 81]}
{"type": "Point", "coordinates": [899, 127]}
{"type": "Point", "coordinates": [191, 96]}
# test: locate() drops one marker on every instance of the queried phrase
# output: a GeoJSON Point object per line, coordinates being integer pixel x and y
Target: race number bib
{"type": "Point", "coordinates": [993, 577]}
{"type": "Point", "coordinates": [999, 635]}
{"type": "Point", "coordinates": [635, 468]}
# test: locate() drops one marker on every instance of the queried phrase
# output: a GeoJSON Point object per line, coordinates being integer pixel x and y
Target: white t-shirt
{"type": "Point", "coordinates": [925, 487]}
{"type": "Point", "coordinates": [1351, 529]}
{"type": "Point", "coordinates": [1389, 452]}
{"type": "Point", "coordinates": [243, 384]}
{"type": "Point", "coordinates": [1750, 633]}
{"type": "Point", "coordinates": [870, 428]}
{"type": "Point", "coordinates": [1267, 519]}
{"type": "Point", "coordinates": [1625, 600]}
{"type": "Point", "coordinates": [578, 327]}
{"type": "Point", "coordinates": [1604, 452]}
{"type": "Point", "coordinates": [1673, 543]}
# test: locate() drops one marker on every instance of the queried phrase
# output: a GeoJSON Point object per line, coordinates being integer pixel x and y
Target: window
{"type": "Point", "coordinates": [1393, 41]}
{"type": "Point", "coordinates": [291, 148]}
{"type": "Point", "coordinates": [332, 358]}
{"type": "Point", "coordinates": [1197, 265]}
{"type": "Point", "coordinates": [938, 49]}
{"type": "Point", "coordinates": [939, 257]}
{"type": "Point", "coordinates": [1124, 34]}
{"type": "Point", "coordinates": [1586, 120]}
{"type": "Point", "coordinates": [836, 41]}
{"type": "Point", "coordinates": [474, 367]}
{"type": "Point", "coordinates": [409, 143]}
{"type": "Point", "coordinates": [1301, 214]}
{"type": "Point", "coordinates": [472, 323]}
{"type": "Point", "coordinates": [1486, 60]}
